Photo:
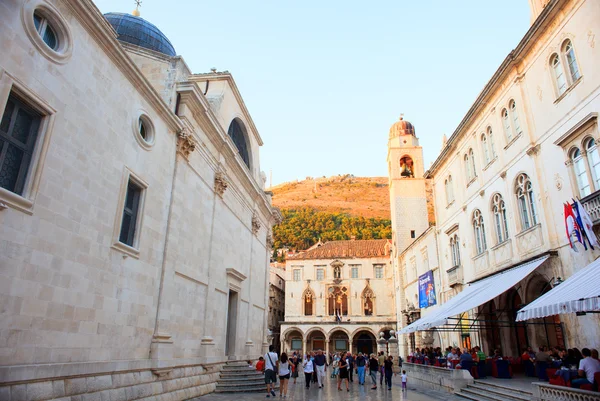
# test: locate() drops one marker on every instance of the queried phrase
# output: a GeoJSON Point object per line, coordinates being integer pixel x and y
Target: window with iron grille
{"type": "Point", "coordinates": [18, 134]}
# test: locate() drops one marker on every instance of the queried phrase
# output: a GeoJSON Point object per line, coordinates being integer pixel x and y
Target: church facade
{"type": "Point", "coordinates": [135, 230]}
{"type": "Point", "coordinates": [526, 146]}
{"type": "Point", "coordinates": [337, 297]}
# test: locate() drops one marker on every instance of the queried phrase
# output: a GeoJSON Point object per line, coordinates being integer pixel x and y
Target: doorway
{"type": "Point", "coordinates": [231, 324]}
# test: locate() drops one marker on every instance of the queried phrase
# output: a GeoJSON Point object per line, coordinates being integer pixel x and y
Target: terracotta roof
{"type": "Point", "coordinates": [347, 250]}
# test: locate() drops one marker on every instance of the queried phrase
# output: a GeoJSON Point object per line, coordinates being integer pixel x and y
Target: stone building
{"type": "Point", "coordinates": [276, 302]}
{"type": "Point", "coordinates": [338, 297]}
{"type": "Point", "coordinates": [134, 225]}
{"type": "Point", "coordinates": [526, 146]}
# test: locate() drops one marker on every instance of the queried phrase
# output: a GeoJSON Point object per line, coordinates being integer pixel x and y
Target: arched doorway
{"type": "Point", "coordinates": [315, 340]}
{"type": "Point", "coordinates": [339, 341]}
{"type": "Point", "coordinates": [546, 331]}
{"type": "Point", "coordinates": [490, 332]}
{"type": "Point", "coordinates": [364, 341]}
{"type": "Point", "coordinates": [292, 341]}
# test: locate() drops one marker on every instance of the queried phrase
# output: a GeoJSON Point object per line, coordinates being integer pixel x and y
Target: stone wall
{"type": "Point", "coordinates": [440, 379]}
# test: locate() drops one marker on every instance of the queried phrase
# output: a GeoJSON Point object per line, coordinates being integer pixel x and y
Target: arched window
{"type": "Point", "coordinates": [526, 201]}
{"type": "Point", "coordinates": [407, 168]}
{"type": "Point", "coordinates": [569, 54]}
{"type": "Point", "coordinates": [455, 250]}
{"type": "Point", "coordinates": [593, 160]}
{"type": "Point", "coordinates": [337, 298]}
{"type": "Point", "coordinates": [472, 159]}
{"type": "Point", "coordinates": [506, 125]}
{"type": "Point", "coordinates": [484, 145]}
{"type": "Point", "coordinates": [490, 136]}
{"type": "Point", "coordinates": [479, 231]}
{"type": "Point", "coordinates": [558, 73]}
{"type": "Point", "coordinates": [368, 298]}
{"type": "Point", "coordinates": [580, 172]}
{"type": "Point", "coordinates": [500, 220]}
{"type": "Point", "coordinates": [515, 117]}
{"type": "Point", "coordinates": [468, 168]}
{"type": "Point", "coordinates": [449, 190]}
{"type": "Point", "coordinates": [45, 30]}
{"type": "Point", "coordinates": [237, 132]}
{"type": "Point", "coordinates": [308, 298]}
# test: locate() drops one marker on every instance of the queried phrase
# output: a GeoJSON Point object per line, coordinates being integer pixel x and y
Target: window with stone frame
{"type": "Point", "coordinates": [479, 232]}
{"type": "Point", "coordinates": [379, 270]}
{"type": "Point", "coordinates": [297, 274]}
{"type": "Point", "coordinates": [368, 298]}
{"type": "Point", "coordinates": [571, 61]}
{"type": "Point", "coordinates": [526, 201]}
{"type": "Point", "coordinates": [354, 271]}
{"type": "Point", "coordinates": [500, 219]}
{"type": "Point", "coordinates": [449, 190]}
{"type": "Point", "coordinates": [19, 130]}
{"type": "Point", "coordinates": [455, 250]}
{"type": "Point", "coordinates": [131, 210]}
{"type": "Point", "coordinates": [320, 274]}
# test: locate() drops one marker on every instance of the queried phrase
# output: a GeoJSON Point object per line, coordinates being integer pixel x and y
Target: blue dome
{"type": "Point", "coordinates": [139, 32]}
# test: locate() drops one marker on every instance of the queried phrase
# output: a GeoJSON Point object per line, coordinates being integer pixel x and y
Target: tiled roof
{"type": "Point", "coordinates": [347, 250]}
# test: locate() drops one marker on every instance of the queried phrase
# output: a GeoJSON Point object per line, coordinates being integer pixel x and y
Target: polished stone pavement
{"type": "Point", "coordinates": [297, 392]}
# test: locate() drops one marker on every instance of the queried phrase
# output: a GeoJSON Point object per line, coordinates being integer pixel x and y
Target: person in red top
{"type": "Point", "coordinates": [260, 365]}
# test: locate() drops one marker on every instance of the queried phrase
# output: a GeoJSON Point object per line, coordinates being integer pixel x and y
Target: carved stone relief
{"type": "Point", "coordinates": [185, 143]}
{"type": "Point", "coordinates": [221, 183]}
{"type": "Point", "coordinates": [255, 224]}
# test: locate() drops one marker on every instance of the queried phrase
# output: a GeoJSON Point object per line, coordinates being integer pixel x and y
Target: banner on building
{"type": "Point", "coordinates": [426, 290]}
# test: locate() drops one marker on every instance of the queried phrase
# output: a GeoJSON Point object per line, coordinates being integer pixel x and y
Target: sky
{"type": "Point", "coordinates": [325, 80]}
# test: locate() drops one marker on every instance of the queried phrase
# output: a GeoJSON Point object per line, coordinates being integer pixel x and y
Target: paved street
{"type": "Point", "coordinates": [297, 392]}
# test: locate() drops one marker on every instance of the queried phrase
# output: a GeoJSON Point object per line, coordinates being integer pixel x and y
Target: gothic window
{"type": "Point", "coordinates": [479, 231]}
{"type": "Point", "coordinates": [449, 190]}
{"type": "Point", "coordinates": [470, 159]}
{"type": "Point", "coordinates": [368, 301]}
{"type": "Point", "coordinates": [569, 54]}
{"type": "Point", "coordinates": [526, 201]}
{"type": "Point", "coordinates": [18, 135]}
{"type": "Point", "coordinates": [308, 302]}
{"type": "Point", "coordinates": [337, 272]}
{"type": "Point", "coordinates": [506, 125]}
{"type": "Point", "coordinates": [455, 250]}
{"type": "Point", "coordinates": [594, 161]}
{"type": "Point", "coordinates": [237, 133]}
{"type": "Point", "coordinates": [468, 168]}
{"type": "Point", "coordinates": [500, 220]}
{"type": "Point", "coordinates": [484, 145]}
{"type": "Point", "coordinates": [407, 167]}
{"type": "Point", "coordinates": [490, 136]}
{"type": "Point", "coordinates": [581, 174]}
{"type": "Point", "coordinates": [558, 74]}
{"type": "Point", "coordinates": [515, 117]}
{"type": "Point", "coordinates": [337, 300]}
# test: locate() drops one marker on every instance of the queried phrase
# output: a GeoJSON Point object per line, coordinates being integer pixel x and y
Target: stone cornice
{"type": "Point", "coordinates": [226, 76]}
{"type": "Point", "coordinates": [98, 27]}
{"type": "Point", "coordinates": [515, 57]}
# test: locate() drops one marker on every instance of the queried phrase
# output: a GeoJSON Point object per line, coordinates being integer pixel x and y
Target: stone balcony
{"type": "Point", "coordinates": [591, 203]}
{"type": "Point", "coordinates": [455, 276]}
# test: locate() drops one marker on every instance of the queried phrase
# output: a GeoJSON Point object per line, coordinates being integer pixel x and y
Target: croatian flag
{"type": "Point", "coordinates": [571, 226]}
{"type": "Point", "coordinates": [585, 223]}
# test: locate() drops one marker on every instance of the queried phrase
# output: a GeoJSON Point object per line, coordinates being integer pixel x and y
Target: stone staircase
{"type": "Point", "coordinates": [486, 391]}
{"type": "Point", "coordinates": [237, 377]}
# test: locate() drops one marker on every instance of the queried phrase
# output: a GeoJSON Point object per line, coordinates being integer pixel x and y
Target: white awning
{"type": "Point", "coordinates": [474, 295]}
{"type": "Point", "coordinates": [578, 293]}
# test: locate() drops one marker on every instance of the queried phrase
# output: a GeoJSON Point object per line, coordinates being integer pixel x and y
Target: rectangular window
{"type": "Point", "coordinates": [354, 272]}
{"type": "Point", "coordinates": [18, 134]}
{"type": "Point", "coordinates": [130, 213]}
{"type": "Point", "coordinates": [296, 274]}
{"type": "Point", "coordinates": [378, 271]}
{"type": "Point", "coordinates": [412, 234]}
{"type": "Point", "coordinates": [296, 344]}
{"type": "Point", "coordinates": [320, 274]}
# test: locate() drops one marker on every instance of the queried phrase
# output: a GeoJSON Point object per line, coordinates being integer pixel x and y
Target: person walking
{"type": "Point", "coordinates": [388, 368]}
{"type": "Point", "coordinates": [308, 368]}
{"type": "Point", "coordinates": [336, 369]}
{"type": "Point", "coordinates": [350, 360]}
{"type": "Point", "coordinates": [321, 366]}
{"type": "Point", "coordinates": [271, 367]}
{"type": "Point", "coordinates": [373, 368]}
{"type": "Point", "coordinates": [284, 375]}
{"type": "Point", "coordinates": [343, 365]}
{"type": "Point", "coordinates": [295, 364]}
{"type": "Point", "coordinates": [381, 360]}
{"type": "Point", "coordinates": [404, 380]}
{"type": "Point", "coordinates": [361, 362]}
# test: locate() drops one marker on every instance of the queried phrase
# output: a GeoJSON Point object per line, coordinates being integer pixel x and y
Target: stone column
{"type": "Point", "coordinates": [327, 349]}
{"type": "Point", "coordinates": [382, 344]}
{"type": "Point", "coordinates": [303, 347]}
{"type": "Point", "coordinates": [394, 351]}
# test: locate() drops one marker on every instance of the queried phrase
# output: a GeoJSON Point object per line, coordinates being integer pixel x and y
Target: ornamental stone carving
{"type": "Point", "coordinates": [255, 224]}
{"type": "Point", "coordinates": [221, 183]}
{"type": "Point", "coordinates": [185, 143]}
{"type": "Point", "coordinates": [270, 240]}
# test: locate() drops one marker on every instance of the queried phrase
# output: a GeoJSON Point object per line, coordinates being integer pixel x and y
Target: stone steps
{"type": "Point", "coordinates": [485, 391]}
{"type": "Point", "coordinates": [238, 377]}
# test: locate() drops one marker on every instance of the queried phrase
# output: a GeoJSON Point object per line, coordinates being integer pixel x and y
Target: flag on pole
{"type": "Point", "coordinates": [571, 225]}
{"type": "Point", "coordinates": [585, 223]}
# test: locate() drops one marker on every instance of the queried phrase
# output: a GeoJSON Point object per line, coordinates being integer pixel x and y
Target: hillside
{"type": "Point", "coordinates": [356, 196]}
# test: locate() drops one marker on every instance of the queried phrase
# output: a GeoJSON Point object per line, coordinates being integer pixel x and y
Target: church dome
{"type": "Point", "coordinates": [401, 127]}
{"type": "Point", "coordinates": [137, 31]}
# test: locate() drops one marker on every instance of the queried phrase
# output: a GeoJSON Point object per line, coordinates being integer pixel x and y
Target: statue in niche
{"type": "Point", "coordinates": [407, 167]}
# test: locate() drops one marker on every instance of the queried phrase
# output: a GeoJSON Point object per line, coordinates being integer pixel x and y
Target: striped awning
{"type": "Point", "coordinates": [474, 295]}
{"type": "Point", "coordinates": [578, 293]}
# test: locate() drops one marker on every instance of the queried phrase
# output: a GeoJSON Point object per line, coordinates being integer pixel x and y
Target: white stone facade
{"type": "Point", "coordinates": [84, 314]}
{"type": "Point", "coordinates": [548, 115]}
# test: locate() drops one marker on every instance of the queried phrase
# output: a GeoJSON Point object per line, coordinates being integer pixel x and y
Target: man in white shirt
{"type": "Point", "coordinates": [587, 367]}
{"type": "Point", "coordinates": [271, 369]}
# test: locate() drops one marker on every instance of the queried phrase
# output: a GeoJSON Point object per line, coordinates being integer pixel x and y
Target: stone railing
{"type": "Point", "coordinates": [548, 392]}
{"type": "Point", "coordinates": [455, 275]}
{"type": "Point", "coordinates": [440, 379]}
{"type": "Point", "coordinates": [591, 204]}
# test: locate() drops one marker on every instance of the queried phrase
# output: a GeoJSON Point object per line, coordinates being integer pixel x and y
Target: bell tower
{"type": "Point", "coordinates": [408, 201]}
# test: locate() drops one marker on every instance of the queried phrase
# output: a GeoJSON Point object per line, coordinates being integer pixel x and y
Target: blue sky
{"type": "Point", "coordinates": [324, 80]}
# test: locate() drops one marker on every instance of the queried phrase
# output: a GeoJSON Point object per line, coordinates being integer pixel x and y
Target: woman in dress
{"type": "Point", "coordinates": [343, 366]}
{"type": "Point", "coordinates": [295, 362]}
{"type": "Point", "coordinates": [284, 375]}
